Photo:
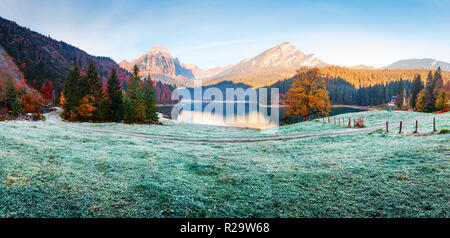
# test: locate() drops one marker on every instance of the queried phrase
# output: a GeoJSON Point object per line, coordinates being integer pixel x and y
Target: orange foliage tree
{"type": "Point", "coordinates": [86, 108]}
{"type": "Point", "coordinates": [62, 99]}
{"type": "Point", "coordinates": [308, 95]}
{"type": "Point", "coordinates": [30, 103]}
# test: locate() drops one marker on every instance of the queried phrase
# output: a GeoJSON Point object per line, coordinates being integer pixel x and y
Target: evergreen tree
{"type": "Point", "coordinates": [438, 82]}
{"type": "Point", "coordinates": [416, 87]}
{"type": "Point", "coordinates": [16, 107]}
{"type": "Point", "coordinates": [150, 101]}
{"type": "Point", "coordinates": [136, 96]}
{"type": "Point", "coordinates": [135, 71]}
{"type": "Point", "coordinates": [128, 111]}
{"type": "Point", "coordinates": [10, 94]}
{"type": "Point", "coordinates": [71, 93]}
{"type": "Point", "coordinates": [429, 100]}
{"type": "Point", "coordinates": [115, 97]}
{"type": "Point", "coordinates": [83, 86]}
{"type": "Point", "coordinates": [95, 84]}
{"type": "Point", "coordinates": [96, 92]}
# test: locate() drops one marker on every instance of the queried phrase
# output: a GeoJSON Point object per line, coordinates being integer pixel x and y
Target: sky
{"type": "Point", "coordinates": [217, 33]}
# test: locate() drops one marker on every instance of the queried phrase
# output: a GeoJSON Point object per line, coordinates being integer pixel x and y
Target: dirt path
{"type": "Point", "coordinates": [53, 117]}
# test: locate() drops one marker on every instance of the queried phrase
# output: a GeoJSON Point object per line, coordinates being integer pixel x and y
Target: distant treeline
{"type": "Point", "coordinates": [342, 92]}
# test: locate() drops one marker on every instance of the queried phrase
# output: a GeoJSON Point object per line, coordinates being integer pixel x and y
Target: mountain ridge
{"type": "Point", "coordinates": [416, 63]}
{"type": "Point", "coordinates": [274, 64]}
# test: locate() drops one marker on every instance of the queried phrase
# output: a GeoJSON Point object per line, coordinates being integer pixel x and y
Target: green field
{"type": "Point", "coordinates": [51, 171]}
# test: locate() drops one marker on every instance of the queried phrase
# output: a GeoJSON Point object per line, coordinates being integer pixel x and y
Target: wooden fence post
{"type": "Point", "coordinates": [400, 131]}
{"type": "Point", "coordinates": [328, 119]}
{"type": "Point", "coordinates": [416, 126]}
{"type": "Point", "coordinates": [434, 124]}
{"type": "Point", "coordinates": [387, 127]}
{"type": "Point", "coordinates": [349, 122]}
{"type": "Point", "coordinates": [335, 120]}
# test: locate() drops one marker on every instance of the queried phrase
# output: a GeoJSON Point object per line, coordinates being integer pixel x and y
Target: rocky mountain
{"type": "Point", "coordinates": [40, 58]}
{"type": "Point", "coordinates": [419, 64]}
{"type": "Point", "coordinates": [161, 66]}
{"type": "Point", "coordinates": [266, 68]}
{"type": "Point", "coordinates": [275, 64]}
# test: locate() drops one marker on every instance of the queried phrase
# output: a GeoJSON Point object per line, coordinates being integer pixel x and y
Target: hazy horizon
{"type": "Point", "coordinates": [209, 33]}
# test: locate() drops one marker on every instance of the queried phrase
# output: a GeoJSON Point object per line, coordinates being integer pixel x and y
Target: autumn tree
{"type": "Point", "coordinates": [420, 102]}
{"type": "Point", "coordinates": [441, 100]}
{"type": "Point", "coordinates": [30, 103]}
{"type": "Point", "coordinates": [115, 102]}
{"type": "Point", "coordinates": [86, 108]}
{"type": "Point", "coordinates": [307, 95]}
{"type": "Point", "coordinates": [47, 91]}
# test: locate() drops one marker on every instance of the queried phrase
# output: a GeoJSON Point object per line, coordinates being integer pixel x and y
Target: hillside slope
{"type": "Point", "coordinates": [42, 58]}
{"type": "Point", "coordinates": [9, 70]}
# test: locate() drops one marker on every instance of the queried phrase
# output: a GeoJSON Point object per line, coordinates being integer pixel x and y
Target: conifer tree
{"type": "Point", "coordinates": [429, 97]}
{"type": "Point", "coordinates": [115, 97]}
{"type": "Point", "coordinates": [150, 100]}
{"type": "Point", "coordinates": [96, 92]}
{"type": "Point", "coordinates": [128, 111]}
{"type": "Point", "coordinates": [10, 94]}
{"type": "Point", "coordinates": [95, 84]}
{"type": "Point", "coordinates": [416, 87]}
{"type": "Point", "coordinates": [72, 94]}
{"type": "Point", "coordinates": [438, 82]}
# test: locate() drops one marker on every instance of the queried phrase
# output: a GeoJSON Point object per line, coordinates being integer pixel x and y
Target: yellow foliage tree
{"type": "Point", "coordinates": [420, 103]}
{"type": "Point", "coordinates": [86, 108]}
{"type": "Point", "coordinates": [307, 95]}
{"type": "Point", "coordinates": [441, 101]}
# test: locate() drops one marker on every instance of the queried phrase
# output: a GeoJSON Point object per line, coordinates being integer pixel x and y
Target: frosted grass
{"type": "Point", "coordinates": [49, 171]}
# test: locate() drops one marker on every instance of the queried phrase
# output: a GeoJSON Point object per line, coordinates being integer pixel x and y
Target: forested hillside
{"type": "Point", "coordinates": [371, 77]}
{"type": "Point", "coordinates": [341, 91]}
{"type": "Point", "coordinates": [42, 59]}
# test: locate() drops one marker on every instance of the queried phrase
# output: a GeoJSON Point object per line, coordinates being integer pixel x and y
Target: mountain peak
{"type": "Point", "coordinates": [159, 50]}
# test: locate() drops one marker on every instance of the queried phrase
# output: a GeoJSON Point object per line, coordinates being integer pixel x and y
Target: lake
{"type": "Point", "coordinates": [236, 114]}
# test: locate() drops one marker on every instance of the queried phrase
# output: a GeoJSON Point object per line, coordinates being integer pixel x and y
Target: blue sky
{"type": "Point", "coordinates": [213, 33]}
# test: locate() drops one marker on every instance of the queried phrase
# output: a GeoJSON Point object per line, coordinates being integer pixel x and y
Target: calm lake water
{"type": "Point", "coordinates": [236, 114]}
